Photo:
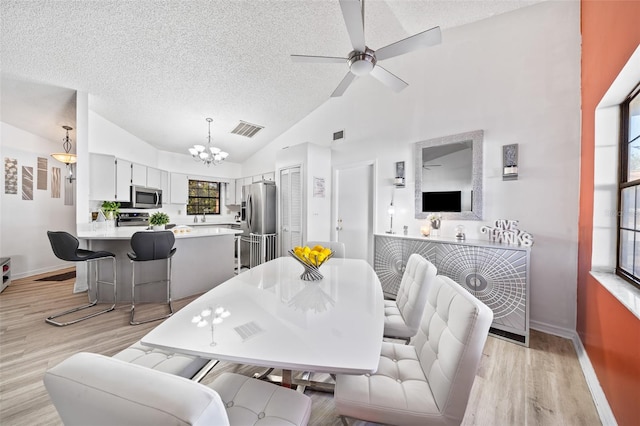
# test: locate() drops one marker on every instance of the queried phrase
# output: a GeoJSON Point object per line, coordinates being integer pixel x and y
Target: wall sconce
{"type": "Point", "coordinates": [66, 157]}
{"type": "Point", "coordinates": [398, 181]}
{"type": "Point", "coordinates": [391, 210]}
{"type": "Point", "coordinates": [510, 162]}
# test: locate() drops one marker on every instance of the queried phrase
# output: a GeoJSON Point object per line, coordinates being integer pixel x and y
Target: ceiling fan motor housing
{"type": "Point", "coordinates": [361, 63]}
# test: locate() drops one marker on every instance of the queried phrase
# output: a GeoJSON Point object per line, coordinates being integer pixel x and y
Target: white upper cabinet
{"type": "Point", "coordinates": [138, 174]}
{"type": "Point", "coordinates": [239, 183]}
{"type": "Point", "coordinates": [123, 180]}
{"type": "Point", "coordinates": [230, 194]}
{"type": "Point", "coordinates": [109, 178]}
{"type": "Point", "coordinates": [154, 177]}
{"type": "Point", "coordinates": [179, 189]}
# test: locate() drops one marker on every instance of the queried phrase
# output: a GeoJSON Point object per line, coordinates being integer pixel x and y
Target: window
{"type": "Point", "coordinates": [204, 197]}
{"type": "Point", "coordinates": [629, 190]}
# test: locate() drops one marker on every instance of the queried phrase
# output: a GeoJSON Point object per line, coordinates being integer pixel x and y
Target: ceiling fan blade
{"type": "Point", "coordinates": [353, 13]}
{"type": "Point", "coordinates": [424, 39]}
{"type": "Point", "coordinates": [318, 59]}
{"type": "Point", "coordinates": [346, 81]}
{"type": "Point", "coordinates": [388, 79]}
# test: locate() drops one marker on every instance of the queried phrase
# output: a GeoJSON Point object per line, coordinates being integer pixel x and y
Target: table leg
{"type": "Point", "coordinates": [286, 378]}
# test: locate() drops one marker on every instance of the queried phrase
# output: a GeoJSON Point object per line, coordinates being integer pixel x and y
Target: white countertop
{"type": "Point", "coordinates": [125, 233]}
{"type": "Point", "coordinates": [278, 320]}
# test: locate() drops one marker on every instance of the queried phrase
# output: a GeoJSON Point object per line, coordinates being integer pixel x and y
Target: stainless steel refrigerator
{"type": "Point", "coordinates": [259, 201]}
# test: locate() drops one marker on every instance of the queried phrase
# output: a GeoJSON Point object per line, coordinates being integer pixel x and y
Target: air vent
{"type": "Point", "coordinates": [338, 135]}
{"type": "Point", "coordinates": [246, 129]}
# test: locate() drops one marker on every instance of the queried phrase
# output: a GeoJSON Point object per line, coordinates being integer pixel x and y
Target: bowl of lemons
{"type": "Point", "coordinates": [311, 259]}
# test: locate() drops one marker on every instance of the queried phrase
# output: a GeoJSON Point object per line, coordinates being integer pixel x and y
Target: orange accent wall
{"type": "Point", "coordinates": [609, 332]}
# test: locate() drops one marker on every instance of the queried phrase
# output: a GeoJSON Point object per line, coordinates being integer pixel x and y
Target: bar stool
{"type": "Point", "coordinates": [149, 246]}
{"type": "Point", "coordinates": [65, 247]}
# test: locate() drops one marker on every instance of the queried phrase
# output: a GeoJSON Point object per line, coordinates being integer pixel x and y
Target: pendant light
{"type": "Point", "coordinates": [66, 157]}
{"type": "Point", "coordinates": [209, 154]}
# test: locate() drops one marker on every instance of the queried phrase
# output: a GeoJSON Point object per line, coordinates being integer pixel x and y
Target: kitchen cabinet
{"type": "Point", "coordinates": [138, 174]}
{"type": "Point", "coordinates": [270, 176]}
{"type": "Point", "coordinates": [239, 183]}
{"type": "Point", "coordinates": [178, 188]}
{"type": "Point", "coordinates": [154, 177]}
{"type": "Point", "coordinates": [146, 176]}
{"type": "Point", "coordinates": [109, 178]}
{"type": "Point", "coordinates": [230, 194]}
{"type": "Point", "coordinates": [497, 274]}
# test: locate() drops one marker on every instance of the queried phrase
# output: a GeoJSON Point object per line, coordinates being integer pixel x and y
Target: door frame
{"type": "Point", "coordinates": [374, 195]}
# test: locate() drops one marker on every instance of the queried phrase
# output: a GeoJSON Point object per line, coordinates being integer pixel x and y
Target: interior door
{"type": "Point", "coordinates": [354, 213]}
{"type": "Point", "coordinates": [290, 204]}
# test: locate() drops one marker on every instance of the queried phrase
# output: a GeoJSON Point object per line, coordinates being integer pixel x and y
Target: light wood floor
{"type": "Point", "coordinates": [540, 385]}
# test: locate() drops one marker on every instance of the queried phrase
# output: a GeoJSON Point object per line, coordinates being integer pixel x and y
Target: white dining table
{"type": "Point", "coordinates": [275, 319]}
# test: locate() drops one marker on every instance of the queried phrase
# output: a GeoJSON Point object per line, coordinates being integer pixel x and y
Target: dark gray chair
{"type": "Point", "coordinates": [151, 246]}
{"type": "Point", "coordinates": [66, 247]}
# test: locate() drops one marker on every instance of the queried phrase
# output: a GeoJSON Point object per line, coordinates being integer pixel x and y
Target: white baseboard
{"type": "Point", "coordinates": [17, 276]}
{"type": "Point", "coordinates": [597, 394]}
{"type": "Point", "coordinates": [552, 329]}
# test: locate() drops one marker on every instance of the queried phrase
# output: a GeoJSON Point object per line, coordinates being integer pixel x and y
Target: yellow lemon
{"type": "Point", "coordinates": [318, 248]}
{"type": "Point", "coordinates": [306, 250]}
{"type": "Point", "coordinates": [321, 257]}
{"type": "Point", "coordinates": [326, 252]}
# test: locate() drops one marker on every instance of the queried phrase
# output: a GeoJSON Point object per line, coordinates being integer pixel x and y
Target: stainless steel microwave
{"type": "Point", "coordinates": [144, 198]}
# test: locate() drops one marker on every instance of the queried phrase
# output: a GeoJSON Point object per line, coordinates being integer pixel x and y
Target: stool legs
{"type": "Point", "coordinates": [51, 319]}
{"type": "Point", "coordinates": [132, 320]}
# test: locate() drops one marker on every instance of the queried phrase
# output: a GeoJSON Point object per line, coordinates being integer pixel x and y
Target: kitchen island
{"type": "Point", "coordinates": [204, 258]}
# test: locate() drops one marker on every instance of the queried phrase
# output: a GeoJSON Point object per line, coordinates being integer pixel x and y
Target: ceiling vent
{"type": "Point", "coordinates": [338, 135]}
{"type": "Point", "coordinates": [246, 129]}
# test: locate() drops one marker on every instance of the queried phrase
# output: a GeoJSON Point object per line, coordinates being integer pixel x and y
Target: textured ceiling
{"type": "Point", "coordinates": [159, 68]}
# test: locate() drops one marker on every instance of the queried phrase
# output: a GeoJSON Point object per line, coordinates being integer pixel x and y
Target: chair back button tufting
{"type": "Point", "coordinates": [229, 404]}
{"type": "Point", "coordinates": [261, 415]}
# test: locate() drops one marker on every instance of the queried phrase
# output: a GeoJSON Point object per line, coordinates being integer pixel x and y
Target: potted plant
{"type": "Point", "coordinates": [158, 220]}
{"type": "Point", "coordinates": [111, 209]}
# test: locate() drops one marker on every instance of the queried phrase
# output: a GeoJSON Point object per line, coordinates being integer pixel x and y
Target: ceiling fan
{"type": "Point", "coordinates": [362, 60]}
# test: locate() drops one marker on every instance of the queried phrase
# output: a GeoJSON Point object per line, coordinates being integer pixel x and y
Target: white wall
{"type": "Point", "coordinates": [24, 223]}
{"type": "Point", "coordinates": [517, 77]}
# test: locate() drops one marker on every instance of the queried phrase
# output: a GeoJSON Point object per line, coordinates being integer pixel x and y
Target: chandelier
{"type": "Point", "coordinates": [66, 157]}
{"type": "Point", "coordinates": [209, 154]}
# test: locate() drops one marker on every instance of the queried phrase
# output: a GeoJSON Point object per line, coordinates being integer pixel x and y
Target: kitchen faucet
{"type": "Point", "coordinates": [204, 215]}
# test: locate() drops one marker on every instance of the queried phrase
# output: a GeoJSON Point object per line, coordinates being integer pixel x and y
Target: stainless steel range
{"type": "Point", "coordinates": [133, 219]}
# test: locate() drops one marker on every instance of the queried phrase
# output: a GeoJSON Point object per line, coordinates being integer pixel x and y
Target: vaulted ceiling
{"type": "Point", "coordinates": [159, 68]}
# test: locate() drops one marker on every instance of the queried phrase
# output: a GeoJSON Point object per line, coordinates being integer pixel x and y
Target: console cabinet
{"type": "Point", "coordinates": [497, 274]}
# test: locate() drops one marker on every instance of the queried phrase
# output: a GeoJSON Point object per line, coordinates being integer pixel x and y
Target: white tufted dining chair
{"type": "Point", "coordinates": [402, 316]}
{"type": "Point", "coordinates": [92, 389]}
{"type": "Point", "coordinates": [427, 382]}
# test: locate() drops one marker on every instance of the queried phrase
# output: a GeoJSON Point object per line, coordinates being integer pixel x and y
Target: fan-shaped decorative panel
{"type": "Point", "coordinates": [495, 276]}
{"type": "Point", "coordinates": [391, 256]}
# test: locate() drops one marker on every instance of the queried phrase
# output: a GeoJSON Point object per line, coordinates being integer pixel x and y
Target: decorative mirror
{"type": "Point", "coordinates": [449, 176]}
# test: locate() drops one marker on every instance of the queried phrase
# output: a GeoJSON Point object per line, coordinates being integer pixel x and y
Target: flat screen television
{"type": "Point", "coordinates": [442, 201]}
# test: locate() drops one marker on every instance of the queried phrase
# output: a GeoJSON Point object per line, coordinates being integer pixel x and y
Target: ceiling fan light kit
{"type": "Point", "coordinates": [361, 63]}
{"type": "Point", "coordinates": [363, 60]}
